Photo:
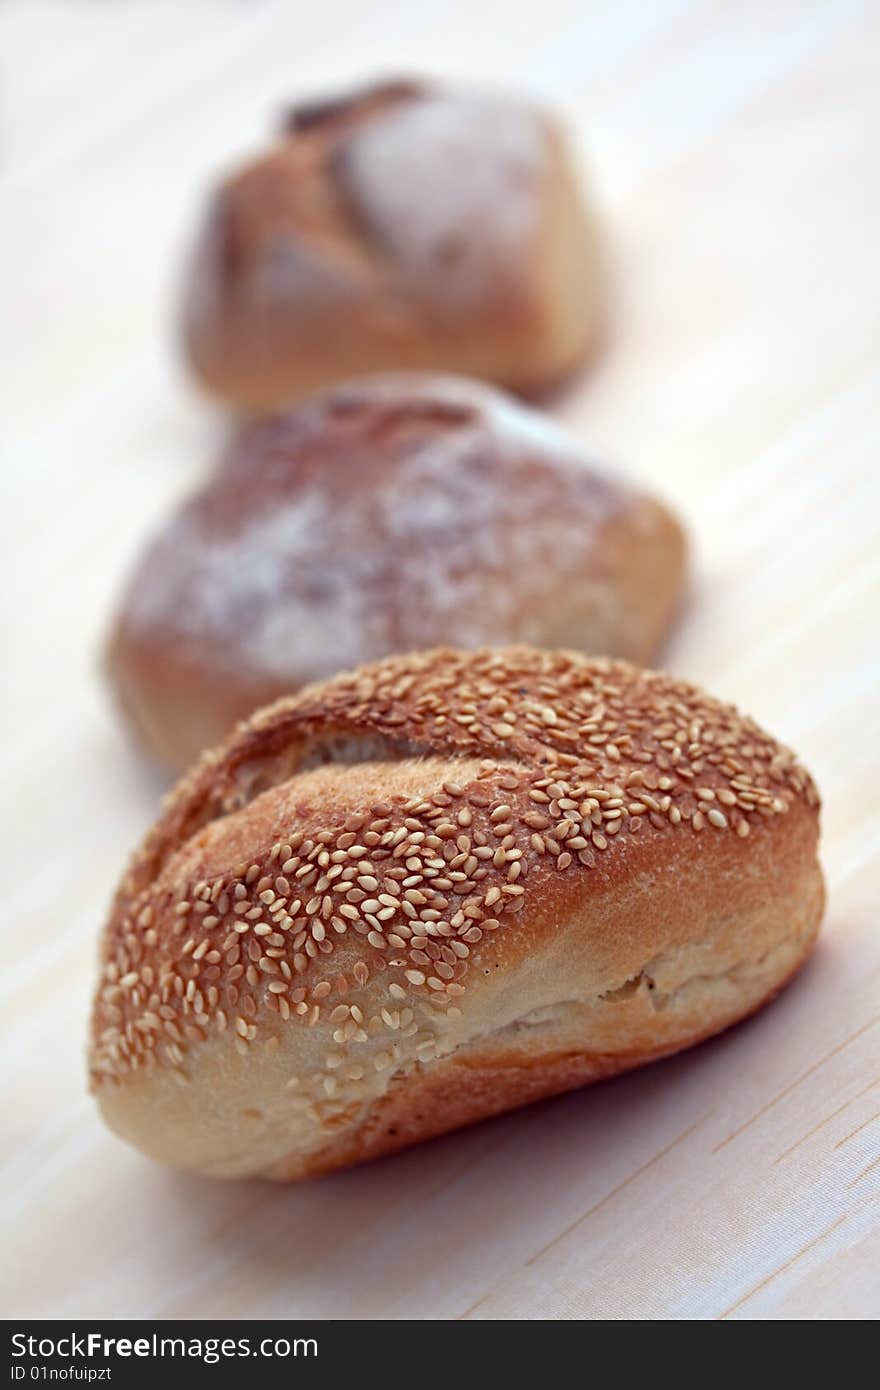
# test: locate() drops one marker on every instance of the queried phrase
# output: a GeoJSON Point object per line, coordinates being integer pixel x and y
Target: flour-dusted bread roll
{"type": "Point", "coordinates": [389, 514]}
{"type": "Point", "coordinates": [402, 226]}
{"type": "Point", "coordinates": [439, 887]}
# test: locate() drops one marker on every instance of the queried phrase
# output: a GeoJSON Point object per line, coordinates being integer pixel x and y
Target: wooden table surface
{"type": "Point", "coordinates": [734, 150]}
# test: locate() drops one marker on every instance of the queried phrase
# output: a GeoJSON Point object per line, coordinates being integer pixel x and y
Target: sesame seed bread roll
{"type": "Point", "coordinates": [439, 887]}
{"type": "Point", "coordinates": [385, 515]}
{"type": "Point", "coordinates": [399, 226]}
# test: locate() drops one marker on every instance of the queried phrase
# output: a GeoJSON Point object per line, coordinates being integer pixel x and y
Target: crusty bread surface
{"type": "Point", "coordinates": [439, 887]}
{"type": "Point", "coordinates": [393, 513]}
{"type": "Point", "coordinates": [400, 226]}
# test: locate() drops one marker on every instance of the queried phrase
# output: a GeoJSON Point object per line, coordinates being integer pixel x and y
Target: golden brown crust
{"type": "Point", "coordinates": [386, 515]}
{"type": "Point", "coordinates": [512, 870]}
{"type": "Point", "coordinates": [400, 226]}
{"type": "Point", "coordinates": [455, 1091]}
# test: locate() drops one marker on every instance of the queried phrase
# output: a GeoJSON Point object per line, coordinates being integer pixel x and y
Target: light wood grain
{"type": "Point", "coordinates": [734, 149]}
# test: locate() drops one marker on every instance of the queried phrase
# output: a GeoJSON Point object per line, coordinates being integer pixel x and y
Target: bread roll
{"type": "Point", "coordinates": [386, 515]}
{"type": "Point", "coordinates": [402, 226]}
{"type": "Point", "coordinates": [438, 887]}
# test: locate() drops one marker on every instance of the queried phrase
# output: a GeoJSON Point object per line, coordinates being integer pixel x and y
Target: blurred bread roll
{"type": "Point", "coordinates": [438, 887]}
{"type": "Point", "coordinates": [405, 225]}
{"type": "Point", "coordinates": [387, 514]}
